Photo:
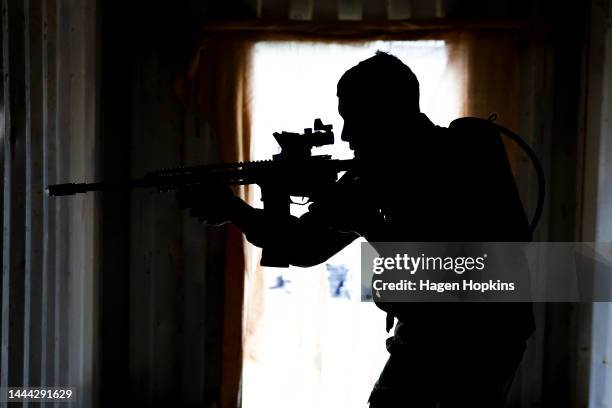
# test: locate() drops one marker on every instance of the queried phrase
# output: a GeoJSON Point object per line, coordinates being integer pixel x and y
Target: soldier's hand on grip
{"type": "Point", "coordinates": [211, 203]}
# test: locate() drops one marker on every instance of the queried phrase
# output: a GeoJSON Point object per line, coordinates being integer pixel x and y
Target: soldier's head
{"type": "Point", "coordinates": [377, 98]}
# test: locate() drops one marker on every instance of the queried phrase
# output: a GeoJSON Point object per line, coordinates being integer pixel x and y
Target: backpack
{"type": "Point", "coordinates": [493, 212]}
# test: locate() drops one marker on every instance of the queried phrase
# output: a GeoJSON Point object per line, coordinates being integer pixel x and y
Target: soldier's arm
{"type": "Point", "coordinates": [309, 240]}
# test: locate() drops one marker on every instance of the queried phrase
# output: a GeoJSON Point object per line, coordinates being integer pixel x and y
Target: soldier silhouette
{"type": "Point", "coordinates": [414, 182]}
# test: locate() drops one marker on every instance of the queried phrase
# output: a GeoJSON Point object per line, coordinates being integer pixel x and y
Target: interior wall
{"type": "Point", "coordinates": [163, 272]}
{"type": "Point", "coordinates": [50, 245]}
{"type": "Point", "coordinates": [177, 265]}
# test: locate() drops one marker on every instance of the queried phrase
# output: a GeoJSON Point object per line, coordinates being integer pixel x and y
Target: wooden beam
{"type": "Point", "coordinates": [373, 28]}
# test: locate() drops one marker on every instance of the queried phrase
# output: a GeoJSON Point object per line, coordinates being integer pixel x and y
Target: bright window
{"type": "Point", "coordinates": [313, 343]}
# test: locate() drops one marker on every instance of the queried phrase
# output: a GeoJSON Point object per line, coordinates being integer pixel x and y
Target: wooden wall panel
{"type": "Point", "coordinates": [177, 264]}
{"type": "Point", "coordinates": [203, 250]}
{"type": "Point", "coordinates": [156, 332]}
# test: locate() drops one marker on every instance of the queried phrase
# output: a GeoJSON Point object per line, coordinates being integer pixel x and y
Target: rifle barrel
{"type": "Point", "coordinates": [173, 179]}
{"type": "Point", "coordinates": [79, 188]}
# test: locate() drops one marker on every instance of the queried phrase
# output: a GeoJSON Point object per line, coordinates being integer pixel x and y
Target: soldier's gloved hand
{"type": "Point", "coordinates": [211, 203]}
{"type": "Point", "coordinates": [335, 214]}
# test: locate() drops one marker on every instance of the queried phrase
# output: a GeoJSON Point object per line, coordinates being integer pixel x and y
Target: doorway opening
{"type": "Point", "coordinates": [311, 341]}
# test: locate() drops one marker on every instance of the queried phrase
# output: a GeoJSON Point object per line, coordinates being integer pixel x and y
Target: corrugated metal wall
{"type": "Point", "coordinates": [49, 245]}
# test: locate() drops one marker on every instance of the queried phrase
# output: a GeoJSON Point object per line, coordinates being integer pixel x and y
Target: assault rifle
{"type": "Point", "coordinates": [294, 172]}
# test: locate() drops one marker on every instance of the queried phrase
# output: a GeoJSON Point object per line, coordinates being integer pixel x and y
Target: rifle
{"type": "Point", "coordinates": [294, 172]}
